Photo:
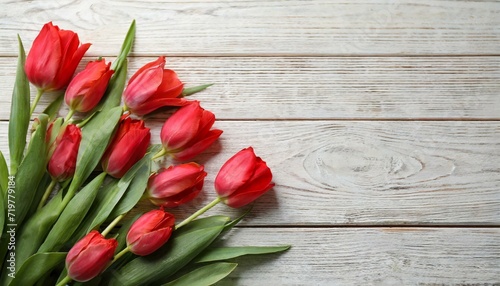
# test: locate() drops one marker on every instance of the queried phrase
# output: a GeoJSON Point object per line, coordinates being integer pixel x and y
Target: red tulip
{"type": "Point", "coordinates": [128, 146]}
{"type": "Point", "coordinates": [243, 178]}
{"type": "Point", "coordinates": [54, 57]}
{"type": "Point", "coordinates": [90, 256]}
{"type": "Point", "coordinates": [63, 153]}
{"type": "Point", "coordinates": [187, 132]}
{"type": "Point", "coordinates": [176, 185]}
{"type": "Point", "coordinates": [87, 88]}
{"type": "Point", "coordinates": [150, 232]}
{"type": "Point", "coordinates": [152, 87]}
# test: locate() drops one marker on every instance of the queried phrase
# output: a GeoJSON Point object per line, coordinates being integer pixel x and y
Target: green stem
{"type": "Point", "coordinates": [47, 193]}
{"type": "Point", "coordinates": [159, 154]}
{"type": "Point", "coordinates": [112, 224]}
{"type": "Point", "coordinates": [199, 212]}
{"type": "Point", "coordinates": [117, 256]}
{"type": "Point", "coordinates": [65, 281]}
{"type": "Point", "coordinates": [68, 117]}
{"type": "Point", "coordinates": [39, 93]}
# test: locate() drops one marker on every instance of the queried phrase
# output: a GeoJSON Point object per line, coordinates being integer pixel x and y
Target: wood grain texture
{"type": "Point", "coordinates": [379, 119]}
{"type": "Point", "coordinates": [265, 27]}
{"type": "Point", "coordinates": [329, 88]}
{"type": "Point", "coordinates": [369, 256]}
{"type": "Point", "coordinates": [363, 173]}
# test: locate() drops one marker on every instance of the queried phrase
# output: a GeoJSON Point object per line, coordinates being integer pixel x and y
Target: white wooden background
{"type": "Point", "coordinates": [380, 121]}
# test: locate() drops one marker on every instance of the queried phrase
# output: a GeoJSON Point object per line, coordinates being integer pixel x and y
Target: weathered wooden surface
{"type": "Point", "coordinates": [371, 173]}
{"type": "Point", "coordinates": [330, 88]}
{"type": "Point", "coordinates": [379, 119]}
{"type": "Point", "coordinates": [266, 27]}
{"type": "Point", "coordinates": [370, 256]}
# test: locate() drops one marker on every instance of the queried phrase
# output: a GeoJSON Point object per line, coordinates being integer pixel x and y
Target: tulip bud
{"type": "Point", "coordinates": [128, 146]}
{"type": "Point", "coordinates": [152, 87]}
{"type": "Point", "coordinates": [54, 57]}
{"type": "Point", "coordinates": [242, 179]}
{"type": "Point", "coordinates": [150, 232]}
{"type": "Point", "coordinates": [176, 185]}
{"type": "Point", "coordinates": [187, 132]}
{"type": "Point", "coordinates": [63, 153]}
{"type": "Point", "coordinates": [87, 88]}
{"type": "Point", "coordinates": [90, 256]}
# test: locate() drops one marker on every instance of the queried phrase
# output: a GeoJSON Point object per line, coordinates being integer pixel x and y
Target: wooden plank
{"type": "Point", "coordinates": [265, 27]}
{"type": "Point", "coordinates": [329, 87]}
{"type": "Point", "coordinates": [363, 173]}
{"type": "Point", "coordinates": [369, 256]}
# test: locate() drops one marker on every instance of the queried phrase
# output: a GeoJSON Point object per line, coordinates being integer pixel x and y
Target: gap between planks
{"type": "Point", "coordinates": [376, 226]}
{"type": "Point", "coordinates": [282, 55]}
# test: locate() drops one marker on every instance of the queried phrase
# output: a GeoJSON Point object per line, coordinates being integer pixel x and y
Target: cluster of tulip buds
{"type": "Point", "coordinates": [52, 60]}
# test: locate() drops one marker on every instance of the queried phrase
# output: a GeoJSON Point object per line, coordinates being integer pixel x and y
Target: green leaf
{"type": "Point", "coordinates": [113, 95]}
{"type": "Point", "coordinates": [126, 47]}
{"type": "Point", "coordinates": [139, 183]}
{"type": "Point", "coordinates": [116, 84]}
{"type": "Point", "coordinates": [31, 170]}
{"type": "Point", "coordinates": [36, 267]}
{"type": "Point", "coordinates": [95, 138]}
{"type": "Point", "coordinates": [185, 244]}
{"type": "Point", "coordinates": [4, 174]}
{"type": "Point", "coordinates": [52, 109]}
{"type": "Point", "coordinates": [192, 90]}
{"type": "Point", "coordinates": [224, 253]}
{"type": "Point", "coordinates": [114, 195]}
{"type": "Point", "coordinates": [19, 113]}
{"type": "Point", "coordinates": [40, 190]}
{"type": "Point", "coordinates": [2, 213]}
{"type": "Point", "coordinates": [98, 204]}
{"type": "Point", "coordinates": [34, 230]}
{"type": "Point", "coordinates": [205, 275]}
{"type": "Point", "coordinates": [72, 216]}
{"type": "Point", "coordinates": [234, 222]}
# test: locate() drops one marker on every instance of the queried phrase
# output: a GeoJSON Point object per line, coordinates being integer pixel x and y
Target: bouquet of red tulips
{"type": "Point", "coordinates": [67, 198]}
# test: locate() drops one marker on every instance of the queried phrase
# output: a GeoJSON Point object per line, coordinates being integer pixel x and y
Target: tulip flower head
{"type": "Point", "coordinates": [152, 87]}
{"type": "Point", "coordinates": [63, 153]}
{"type": "Point", "coordinates": [53, 58]}
{"type": "Point", "coordinates": [176, 185]}
{"type": "Point", "coordinates": [150, 232]}
{"type": "Point", "coordinates": [187, 132]}
{"type": "Point", "coordinates": [87, 88]}
{"type": "Point", "coordinates": [243, 178]}
{"type": "Point", "coordinates": [128, 146]}
{"type": "Point", "coordinates": [90, 256]}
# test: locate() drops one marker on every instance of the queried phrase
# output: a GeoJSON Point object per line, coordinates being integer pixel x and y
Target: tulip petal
{"type": "Point", "coordinates": [207, 120]}
{"type": "Point", "coordinates": [128, 151]}
{"type": "Point", "coordinates": [144, 83]}
{"type": "Point", "coordinates": [199, 147]}
{"type": "Point", "coordinates": [181, 127]}
{"type": "Point", "coordinates": [260, 179]}
{"type": "Point", "coordinates": [175, 179]}
{"type": "Point", "coordinates": [80, 245]}
{"type": "Point", "coordinates": [160, 62]}
{"type": "Point", "coordinates": [170, 86]}
{"type": "Point", "coordinates": [243, 199]}
{"type": "Point", "coordinates": [150, 242]}
{"type": "Point", "coordinates": [92, 259]}
{"type": "Point", "coordinates": [72, 55]}
{"type": "Point", "coordinates": [152, 105]}
{"type": "Point", "coordinates": [235, 172]}
{"type": "Point", "coordinates": [42, 63]}
{"type": "Point", "coordinates": [147, 222]}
